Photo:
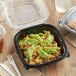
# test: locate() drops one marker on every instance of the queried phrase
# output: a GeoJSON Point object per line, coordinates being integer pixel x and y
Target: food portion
{"type": "Point", "coordinates": [39, 48]}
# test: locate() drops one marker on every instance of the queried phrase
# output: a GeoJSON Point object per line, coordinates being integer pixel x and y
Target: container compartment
{"type": "Point", "coordinates": [36, 29]}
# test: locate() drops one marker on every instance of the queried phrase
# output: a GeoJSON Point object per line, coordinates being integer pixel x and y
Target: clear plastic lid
{"type": "Point", "coordinates": [2, 32]}
{"type": "Point", "coordinates": [24, 13]}
{"type": "Point", "coordinates": [69, 20]}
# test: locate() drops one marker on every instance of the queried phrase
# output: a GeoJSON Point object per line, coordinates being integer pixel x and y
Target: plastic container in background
{"type": "Point", "coordinates": [69, 20]}
{"type": "Point", "coordinates": [21, 14]}
{"type": "Point", "coordinates": [62, 5]}
{"type": "Point", "coordinates": [2, 35]}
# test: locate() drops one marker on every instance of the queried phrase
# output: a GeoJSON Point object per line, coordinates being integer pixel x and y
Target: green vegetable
{"type": "Point", "coordinates": [36, 36]}
{"type": "Point", "coordinates": [51, 49]}
{"type": "Point", "coordinates": [49, 39]}
{"type": "Point", "coordinates": [44, 31]}
{"type": "Point", "coordinates": [53, 42]}
{"type": "Point", "coordinates": [24, 49]}
{"type": "Point", "coordinates": [30, 41]}
{"type": "Point", "coordinates": [29, 52]}
{"type": "Point", "coordinates": [40, 34]}
{"type": "Point", "coordinates": [40, 63]}
{"type": "Point", "coordinates": [21, 42]}
{"type": "Point", "coordinates": [42, 53]}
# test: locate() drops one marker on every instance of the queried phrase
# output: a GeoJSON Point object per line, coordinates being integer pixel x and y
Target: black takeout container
{"type": "Point", "coordinates": [36, 29]}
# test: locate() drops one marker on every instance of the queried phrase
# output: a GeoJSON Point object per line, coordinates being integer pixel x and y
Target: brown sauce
{"type": "Point", "coordinates": [1, 45]}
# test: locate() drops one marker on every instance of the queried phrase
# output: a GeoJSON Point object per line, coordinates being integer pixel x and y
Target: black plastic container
{"type": "Point", "coordinates": [36, 29]}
